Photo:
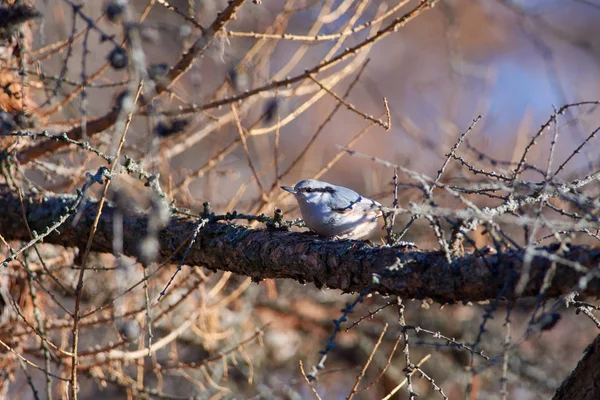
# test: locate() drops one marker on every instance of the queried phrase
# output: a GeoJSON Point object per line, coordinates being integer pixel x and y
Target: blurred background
{"type": "Point", "coordinates": [513, 63]}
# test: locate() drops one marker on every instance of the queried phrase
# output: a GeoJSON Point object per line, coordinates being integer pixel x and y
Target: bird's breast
{"type": "Point", "coordinates": [319, 218]}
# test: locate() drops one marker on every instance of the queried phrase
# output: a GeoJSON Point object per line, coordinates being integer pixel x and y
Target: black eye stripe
{"type": "Point", "coordinates": [317, 190]}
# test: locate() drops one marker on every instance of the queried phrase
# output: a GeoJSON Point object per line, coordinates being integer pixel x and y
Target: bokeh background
{"type": "Point", "coordinates": [511, 62]}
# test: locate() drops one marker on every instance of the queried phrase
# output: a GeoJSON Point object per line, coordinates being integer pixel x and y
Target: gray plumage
{"type": "Point", "coordinates": [332, 210]}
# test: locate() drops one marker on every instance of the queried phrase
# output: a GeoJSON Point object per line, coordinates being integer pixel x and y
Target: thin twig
{"type": "Point", "coordinates": [354, 389]}
{"type": "Point", "coordinates": [76, 314]}
{"type": "Point", "coordinates": [405, 381]}
{"type": "Point", "coordinates": [308, 381]}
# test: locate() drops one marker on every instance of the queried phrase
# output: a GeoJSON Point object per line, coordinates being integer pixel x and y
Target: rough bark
{"type": "Point", "coordinates": [584, 381]}
{"type": "Point", "coordinates": [345, 264]}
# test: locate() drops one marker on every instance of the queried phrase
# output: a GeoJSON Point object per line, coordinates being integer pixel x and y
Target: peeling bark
{"type": "Point", "coordinates": [345, 264]}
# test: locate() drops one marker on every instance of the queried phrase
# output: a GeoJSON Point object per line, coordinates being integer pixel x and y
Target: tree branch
{"type": "Point", "coordinates": [106, 121]}
{"type": "Point", "coordinates": [184, 63]}
{"type": "Point", "coordinates": [345, 264]}
{"type": "Point", "coordinates": [584, 381]}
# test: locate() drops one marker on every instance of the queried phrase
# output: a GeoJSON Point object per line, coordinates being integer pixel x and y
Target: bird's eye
{"type": "Point", "coordinates": [308, 190]}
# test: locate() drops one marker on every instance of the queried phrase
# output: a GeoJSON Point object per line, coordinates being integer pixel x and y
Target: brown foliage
{"type": "Point", "coordinates": [142, 149]}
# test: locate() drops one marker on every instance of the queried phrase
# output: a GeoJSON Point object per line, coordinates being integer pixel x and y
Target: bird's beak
{"type": "Point", "coordinates": [289, 189]}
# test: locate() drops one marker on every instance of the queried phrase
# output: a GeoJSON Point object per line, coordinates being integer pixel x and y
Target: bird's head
{"type": "Point", "coordinates": [310, 190]}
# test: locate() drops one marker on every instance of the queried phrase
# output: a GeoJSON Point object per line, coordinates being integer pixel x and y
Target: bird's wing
{"type": "Point", "coordinates": [348, 201]}
{"type": "Point", "coordinates": [344, 199]}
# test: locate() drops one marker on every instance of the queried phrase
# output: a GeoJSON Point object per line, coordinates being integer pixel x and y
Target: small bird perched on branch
{"type": "Point", "coordinates": [336, 211]}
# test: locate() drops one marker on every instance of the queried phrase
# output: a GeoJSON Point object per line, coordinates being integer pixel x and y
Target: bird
{"type": "Point", "coordinates": [337, 212]}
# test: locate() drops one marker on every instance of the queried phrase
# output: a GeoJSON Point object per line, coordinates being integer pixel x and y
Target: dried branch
{"type": "Point", "coordinates": [183, 64]}
{"type": "Point", "coordinates": [347, 265]}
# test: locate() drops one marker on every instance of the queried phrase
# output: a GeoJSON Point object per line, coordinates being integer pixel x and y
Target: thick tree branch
{"type": "Point", "coordinates": [346, 265]}
{"type": "Point", "coordinates": [584, 381]}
